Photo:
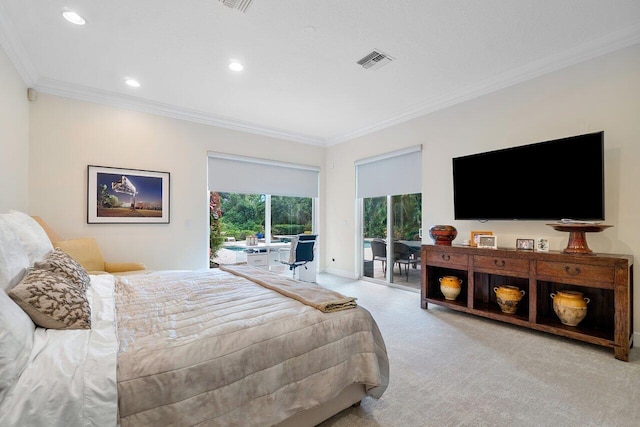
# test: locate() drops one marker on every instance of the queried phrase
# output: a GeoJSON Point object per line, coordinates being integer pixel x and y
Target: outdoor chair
{"type": "Point", "coordinates": [402, 255]}
{"type": "Point", "coordinates": [379, 250]}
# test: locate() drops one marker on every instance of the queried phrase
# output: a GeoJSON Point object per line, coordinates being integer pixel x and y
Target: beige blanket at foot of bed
{"type": "Point", "coordinates": [311, 294]}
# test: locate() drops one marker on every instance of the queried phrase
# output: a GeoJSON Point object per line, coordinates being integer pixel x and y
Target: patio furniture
{"type": "Point", "coordinates": [379, 250]}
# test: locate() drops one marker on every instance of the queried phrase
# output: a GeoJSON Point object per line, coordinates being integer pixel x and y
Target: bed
{"type": "Point", "coordinates": [236, 346]}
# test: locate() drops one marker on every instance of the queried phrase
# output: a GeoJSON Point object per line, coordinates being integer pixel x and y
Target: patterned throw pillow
{"type": "Point", "coordinates": [59, 262]}
{"type": "Point", "coordinates": [52, 301]}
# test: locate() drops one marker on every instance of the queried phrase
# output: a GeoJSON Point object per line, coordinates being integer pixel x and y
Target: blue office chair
{"type": "Point", "coordinates": [300, 253]}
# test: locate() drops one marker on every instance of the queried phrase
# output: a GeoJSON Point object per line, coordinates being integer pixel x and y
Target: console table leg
{"type": "Point", "coordinates": [621, 353]}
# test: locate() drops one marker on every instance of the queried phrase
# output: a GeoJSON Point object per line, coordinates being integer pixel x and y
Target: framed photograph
{"type": "Point", "coordinates": [475, 234]}
{"type": "Point", "coordinates": [524, 244]}
{"type": "Point", "coordinates": [542, 245]}
{"type": "Point", "coordinates": [487, 241]}
{"type": "Point", "coordinates": [127, 196]}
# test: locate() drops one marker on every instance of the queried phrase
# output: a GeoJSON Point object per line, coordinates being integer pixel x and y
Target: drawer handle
{"type": "Point", "coordinates": [446, 257]}
{"type": "Point", "coordinates": [499, 262]}
{"type": "Point", "coordinates": [573, 272]}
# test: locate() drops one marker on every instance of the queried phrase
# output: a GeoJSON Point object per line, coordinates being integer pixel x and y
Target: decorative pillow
{"type": "Point", "coordinates": [52, 301]}
{"type": "Point", "coordinates": [16, 341]}
{"type": "Point", "coordinates": [34, 239]}
{"type": "Point", "coordinates": [13, 259]}
{"type": "Point", "coordinates": [59, 262]}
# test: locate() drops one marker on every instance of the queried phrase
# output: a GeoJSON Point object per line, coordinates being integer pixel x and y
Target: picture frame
{"type": "Point", "coordinates": [487, 241]}
{"type": "Point", "coordinates": [127, 196]}
{"type": "Point", "coordinates": [542, 245]}
{"type": "Point", "coordinates": [473, 241]}
{"type": "Point", "coordinates": [525, 244]}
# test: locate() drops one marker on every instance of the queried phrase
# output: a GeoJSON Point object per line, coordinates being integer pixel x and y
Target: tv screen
{"type": "Point", "coordinates": [550, 180]}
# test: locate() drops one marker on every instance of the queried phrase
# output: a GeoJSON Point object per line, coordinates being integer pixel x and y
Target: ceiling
{"type": "Point", "coordinates": [301, 80]}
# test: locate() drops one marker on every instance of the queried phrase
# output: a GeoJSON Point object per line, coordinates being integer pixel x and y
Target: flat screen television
{"type": "Point", "coordinates": [550, 180]}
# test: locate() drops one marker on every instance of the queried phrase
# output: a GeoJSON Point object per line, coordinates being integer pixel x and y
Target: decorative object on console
{"type": "Point", "coordinates": [524, 244]}
{"type": "Point", "coordinates": [508, 298]}
{"type": "Point", "coordinates": [443, 234]}
{"type": "Point", "coordinates": [570, 306]}
{"type": "Point", "coordinates": [542, 245]}
{"type": "Point", "coordinates": [487, 241]}
{"type": "Point", "coordinates": [577, 244]}
{"type": "Point", "coordinates": [450, 286]}
{"type": "Point", "coordinates": [475, 234]}
{"type": "Point", "coordinates": [129, 196]}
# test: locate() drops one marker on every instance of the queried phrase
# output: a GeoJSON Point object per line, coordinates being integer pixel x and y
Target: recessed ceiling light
{"type": "Point", "coordinates": [73, 17]}
{"type": "Point", "coordinates": [132, 82]}
{"type": "Point", "coordinates": [236, 66]}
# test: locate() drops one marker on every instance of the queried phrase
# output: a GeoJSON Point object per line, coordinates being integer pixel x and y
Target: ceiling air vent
{"type": "Point", "coordinates": [241, 5]}
{"type": "Point", "coordinates": [375, 60]}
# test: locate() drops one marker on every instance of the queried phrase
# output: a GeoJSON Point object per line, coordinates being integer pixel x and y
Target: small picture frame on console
{"type": "Point", "coordinates": [542, 245]}
{"type": "Point", "coordinates": [487, 241]}
{"type": "Point", "coordinates": [475, 234]}
{"type": "Point", "coordinates": [524, 244]}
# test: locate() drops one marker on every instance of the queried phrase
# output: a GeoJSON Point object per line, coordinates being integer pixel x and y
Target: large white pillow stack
{"type": "Point", "coordinates": [16, 328]}
{"type": "Point", "coordinates": [34, 239]}
{"type": "Point", "coordinates": [13, 259]}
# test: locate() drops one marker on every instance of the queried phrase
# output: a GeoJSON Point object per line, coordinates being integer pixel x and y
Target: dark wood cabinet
{"type": "Point", "coordinates": [606, 280]}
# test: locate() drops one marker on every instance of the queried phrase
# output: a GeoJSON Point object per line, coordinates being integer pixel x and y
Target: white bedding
{"type": "Point", "coordinates": [71, 376]}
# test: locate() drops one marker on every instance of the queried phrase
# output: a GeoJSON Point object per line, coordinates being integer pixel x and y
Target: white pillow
{"type": "Point", "coordinates": [16, 340]}
{"type": "Point", "coordinates": [13, 259]}
{"type": "Point", "coordinates": [34, 239]}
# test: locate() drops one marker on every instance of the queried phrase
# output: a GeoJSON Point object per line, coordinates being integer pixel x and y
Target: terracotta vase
{"type": "Point", "coordinates": [508, 298]}
{"type": "Point", "coordinates": [443, 234]}
{"type": "Point", "coordinates": [450, 286]}
{"type": "Point", "coordinates": [570, 307]}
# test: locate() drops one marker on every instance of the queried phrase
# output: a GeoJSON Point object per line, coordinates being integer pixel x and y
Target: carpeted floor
{"type": "Point", "coordinates": [452, 369]}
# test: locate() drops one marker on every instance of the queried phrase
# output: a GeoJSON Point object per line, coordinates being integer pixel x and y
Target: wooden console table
{"type": "Point", "coordinates": [607, 280]}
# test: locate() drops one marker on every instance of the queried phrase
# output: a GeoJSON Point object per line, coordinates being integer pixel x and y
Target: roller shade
{"type": "Point", "coordinates": [237, 174]}
{"type": "Point", "coordinates": [398, 172]}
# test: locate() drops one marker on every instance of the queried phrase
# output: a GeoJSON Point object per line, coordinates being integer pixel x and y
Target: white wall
{"type": "Point", "coordinates": [14, 138]}
{"type": "Point", "coordinates": [601, 94]}
{"type": "Point", "coordinates": [67, 135]}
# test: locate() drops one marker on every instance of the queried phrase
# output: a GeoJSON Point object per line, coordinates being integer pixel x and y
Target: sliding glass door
{"type": "Point", "coordinates": [400, 217]}
{"type": "Point", "coordinates": [390, 214]}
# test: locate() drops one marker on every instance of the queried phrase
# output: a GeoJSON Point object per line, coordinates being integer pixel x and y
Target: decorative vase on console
{"type": "Point", "coordinates": [443, 234]}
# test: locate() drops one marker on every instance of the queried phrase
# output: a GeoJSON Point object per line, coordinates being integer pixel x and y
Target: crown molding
{"type": "Point", "coordinates": [84, 93]}
{"type": "Point", "coordinates": [589, 50]}
{"type": "Point", "coordinates": [10, 42]}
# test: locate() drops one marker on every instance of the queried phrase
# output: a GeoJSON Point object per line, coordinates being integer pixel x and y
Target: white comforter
{"type": "Point", "coordinates": [71, 376]}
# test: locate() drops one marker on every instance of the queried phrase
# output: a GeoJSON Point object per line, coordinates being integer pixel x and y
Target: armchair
{"type": "Point", "coordinates": [87, 253]}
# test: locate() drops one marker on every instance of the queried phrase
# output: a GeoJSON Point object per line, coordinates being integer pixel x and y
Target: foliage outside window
{"type": "Point", "coordinates": [290, 215]}
{"type": "Point", "coordinates": [407, 216]}
{"type": "Point", "coordinates": [215, 233]}
{"type": "Point", "coordinates": [245, 215]}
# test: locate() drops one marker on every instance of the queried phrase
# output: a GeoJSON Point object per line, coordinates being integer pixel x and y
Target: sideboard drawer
{"type": "Point", "coordinates": [444, 259]}
{"type": "Point", "coordinates": [578, 274]}
{"type": "Point", "coordinates": [498, 263]}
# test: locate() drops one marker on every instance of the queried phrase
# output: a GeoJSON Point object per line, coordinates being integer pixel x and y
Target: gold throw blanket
{"type": "Point", "coordinates": [310, 294]}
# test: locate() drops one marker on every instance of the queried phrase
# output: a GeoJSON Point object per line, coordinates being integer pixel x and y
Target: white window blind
{"type": "Point", "coordinates": [398, 172]}
{"type": "Point", "coordinates": [237, 174]}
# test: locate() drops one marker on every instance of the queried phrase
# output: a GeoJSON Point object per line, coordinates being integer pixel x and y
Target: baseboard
{"type": "Point", "coordinates": [342, 273]}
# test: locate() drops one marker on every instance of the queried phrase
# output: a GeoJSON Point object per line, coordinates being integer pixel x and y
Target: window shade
{"type": "Point", "coordinates": [236, 174]}
{"type": "Point", "coordinates": [398, 172]}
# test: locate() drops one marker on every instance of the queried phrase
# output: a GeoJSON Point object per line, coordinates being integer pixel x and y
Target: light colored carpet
{"type": "Point", "coordinates": [452, 369]}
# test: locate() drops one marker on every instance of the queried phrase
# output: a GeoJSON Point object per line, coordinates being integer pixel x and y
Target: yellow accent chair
{"type": "Point", "coordinates": [87, 253]}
